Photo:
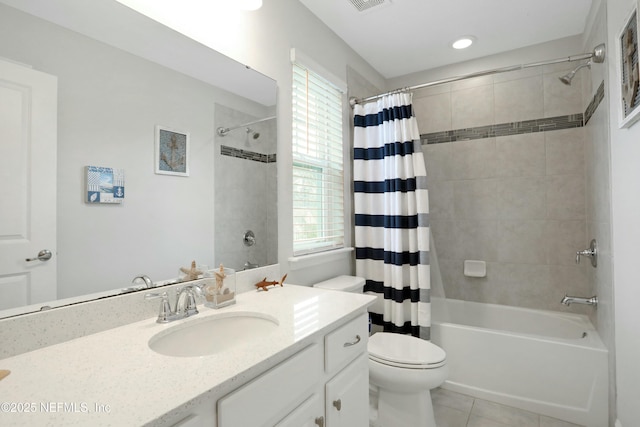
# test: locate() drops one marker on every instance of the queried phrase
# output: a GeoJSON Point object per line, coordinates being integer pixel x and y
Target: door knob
{"type": "Point", "coordinates": [43, 255]}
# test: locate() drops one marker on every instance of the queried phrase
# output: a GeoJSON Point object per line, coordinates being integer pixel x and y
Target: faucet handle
{"type": "Point", "coordinates": [165, 308]}
{"type": "Point", "coordinates": [147, 281]}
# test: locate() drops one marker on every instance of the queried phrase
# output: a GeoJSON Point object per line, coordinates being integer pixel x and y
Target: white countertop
{"type": "Point", "coordinates": [114, 378]}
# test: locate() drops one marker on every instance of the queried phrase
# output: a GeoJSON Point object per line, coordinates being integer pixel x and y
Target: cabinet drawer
{"type": "Point", "coordinates": [273, 394]}
{"type": "Point", "coordinates": [345, 343]}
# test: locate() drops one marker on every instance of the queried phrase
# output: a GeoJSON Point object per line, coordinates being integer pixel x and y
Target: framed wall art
{"type": "Point", "coordinates": [172, 152]}
{"type": "Point", "coordinates": [628, 71]}
{"type": "Point", "coordinates": [104, 185]}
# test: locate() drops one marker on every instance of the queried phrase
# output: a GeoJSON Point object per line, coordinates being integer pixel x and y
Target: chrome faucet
{"type": "Point", "coordinates": [186, 300]}
{"type": "Point", "coordinates": [568, 300]}
{"type": "Point", "coordinates": [591, 252]}
{"type": "Point", "coordinates": [148, 283]}
{"type": "Point", "coordinates": [185, 303]}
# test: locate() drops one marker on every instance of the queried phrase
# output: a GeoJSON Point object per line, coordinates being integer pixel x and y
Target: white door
{"type": "Point", "coordinates": [28, 140]}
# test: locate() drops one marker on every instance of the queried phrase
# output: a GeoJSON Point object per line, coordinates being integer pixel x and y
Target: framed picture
{"type": "Point", "coordinates": [172, 152]}
{"type": "Point", "coordinates": [628, 71]}
{"type": "Point", "coordinates": [104, 185]}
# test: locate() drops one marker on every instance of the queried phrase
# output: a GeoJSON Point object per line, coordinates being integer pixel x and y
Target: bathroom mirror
{"type": "Point", "coordinates": [120, 78]}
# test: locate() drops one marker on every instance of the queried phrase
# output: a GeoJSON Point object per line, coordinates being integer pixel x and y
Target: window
{"type": "Point", "coordinates": [318, 183]}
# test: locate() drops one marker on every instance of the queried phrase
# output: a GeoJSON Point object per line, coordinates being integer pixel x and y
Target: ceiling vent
{"type": "Point", "coordinates": [363, 5]}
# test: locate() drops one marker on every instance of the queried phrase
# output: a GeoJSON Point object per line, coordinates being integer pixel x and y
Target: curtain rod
{"type": "Point", "coordinates": [597, 56]}
{"type": "Point", "coordinates": [222, 131]}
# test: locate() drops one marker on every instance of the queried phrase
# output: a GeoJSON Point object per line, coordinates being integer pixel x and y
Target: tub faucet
{"type": "Point", "coordinates": [147, 282]}
{"type": "Point", "coordinates": [568, 300]}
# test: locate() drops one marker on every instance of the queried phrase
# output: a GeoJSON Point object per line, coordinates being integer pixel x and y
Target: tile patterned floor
{"type": "Point", "coordinates": [459, 410]}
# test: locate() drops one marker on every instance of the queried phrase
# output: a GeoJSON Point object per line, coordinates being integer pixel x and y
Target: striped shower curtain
{"type": "Point", "coordinates": [391, 206]}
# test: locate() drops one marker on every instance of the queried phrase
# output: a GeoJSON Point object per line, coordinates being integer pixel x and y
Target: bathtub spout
{"type": "Point", "coordinates": [568, 300]}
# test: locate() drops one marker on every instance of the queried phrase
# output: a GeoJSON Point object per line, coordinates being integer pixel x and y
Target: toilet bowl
{"type": "Point", "coordinates": [402, 371]}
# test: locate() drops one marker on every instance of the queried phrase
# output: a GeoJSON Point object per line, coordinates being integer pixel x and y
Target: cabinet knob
{"type": "Point", "coordinates": [337, 404]}
{"type": "Point", "coordinates": [320, 421]}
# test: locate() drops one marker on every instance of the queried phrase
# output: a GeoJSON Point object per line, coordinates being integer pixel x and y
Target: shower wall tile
{"type": "Point", "coordinates": [566, 197]}
{"type": "Point", "coordinates": [440, 199]}
{"type": "Point", "coordinates": [507, 185]}
{"type": "Point", "coordinates": [521, 198]}
{"type": "Point", "coordinates": [473, 159]}
{"type": "Point", "coordinates": [560, 99]}
{"type": "Point", "coordinates": [443, 233]}
{"type": "Point", "coordinates": [472, 83]}
{"type": "Point", "coordinates": [475, 199]}
{"type": "Point", "coordinates": [569, 280]}
{"type": "Point", "coordinates": [472, 107]}
{"type": "Point", "coordinates": [521, 155]}
{"type": "Point", "coordinates": [438, 161]}
{"type": "Point", "coordinates": [559, 68]}
{"type": "Point", "coordinates": [517, 75]}
{"type": "Point", "coordinates": [433, 113]}
{"type": "Point", "coordinates": [565, 152]}
{"type": "Point", "coordinates": [475, 240]}
{"type": "Point", "coordinates": [598, 169]}
{"type": "Point", "coordinates": [564, 238]}
{"type": "Point", "coordinates": [518, 100]}
{"type": "Point", "coordinates": [520, 284]}
{"type": "Point", "coordinates": [522, 242]}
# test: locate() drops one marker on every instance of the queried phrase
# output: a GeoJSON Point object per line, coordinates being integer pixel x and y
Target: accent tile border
{"type": "Point", "coordinates": [518, 128]}
{"type": "Point", "coordinates": [247, 155]}
{"type": "Point", "coordinates": [595, 101]}
{"type": "Point", "coordinates": [505, 129]}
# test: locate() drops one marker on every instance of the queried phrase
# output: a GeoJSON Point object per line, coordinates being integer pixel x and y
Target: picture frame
{"type": "Point", "coordinates": [628, 70]}
{"type": "Point", "coordinates": [104, 185]}
{"type": "Point", "coordinates": [171, 151]}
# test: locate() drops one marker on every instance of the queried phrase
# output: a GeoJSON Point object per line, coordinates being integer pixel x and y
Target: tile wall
{"type": "Point", "coordinates": [245, 176]}
{"type": "Point", "coordinates": [505, 159]}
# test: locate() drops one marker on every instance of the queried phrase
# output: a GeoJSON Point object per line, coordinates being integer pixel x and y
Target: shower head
{"type": "Point", "coordinates": [597, 56]}
{"type": "Point", "coordinates": [566, 79]}
{"type": "Point", "coordinates": [255, 134]}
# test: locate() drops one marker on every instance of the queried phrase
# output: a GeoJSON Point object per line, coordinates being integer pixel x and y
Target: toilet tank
{"type": "Point", "coordinates": [343, 283]}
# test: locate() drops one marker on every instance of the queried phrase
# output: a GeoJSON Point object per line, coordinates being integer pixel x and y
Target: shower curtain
{"type": "Point", "coordinates": [391, 206]}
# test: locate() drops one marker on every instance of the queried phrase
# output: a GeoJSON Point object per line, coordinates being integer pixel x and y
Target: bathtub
{"type": "Point", "coordinates": [546, 362]}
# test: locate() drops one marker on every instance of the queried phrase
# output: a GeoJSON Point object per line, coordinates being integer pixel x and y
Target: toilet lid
{"type": "Point", "coordinates": [405, 350]}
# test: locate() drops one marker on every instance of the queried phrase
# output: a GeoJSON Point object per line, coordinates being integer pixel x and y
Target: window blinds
{"type": "Point", "coordinates": [318, 183]}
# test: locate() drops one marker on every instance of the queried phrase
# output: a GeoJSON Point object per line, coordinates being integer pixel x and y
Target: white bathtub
{"type": "Point", "coordinates": [546, 362]}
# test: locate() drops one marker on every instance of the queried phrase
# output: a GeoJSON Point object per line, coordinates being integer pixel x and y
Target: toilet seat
{"type": "Point", "coordinates": [405, 351]}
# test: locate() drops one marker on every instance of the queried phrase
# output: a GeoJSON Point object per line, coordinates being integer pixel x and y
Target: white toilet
{"type": "Point", "coordinates": [402, 371]}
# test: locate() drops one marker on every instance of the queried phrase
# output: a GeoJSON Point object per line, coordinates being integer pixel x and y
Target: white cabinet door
{"type": "Point", "coordinates": [347, 395]}
{"type": "Point", "coordinates": [28, 128]}
{"type": "Point", "coordinates": [269, 397]}
{"type": "Point", "coordinates": [309, 414]}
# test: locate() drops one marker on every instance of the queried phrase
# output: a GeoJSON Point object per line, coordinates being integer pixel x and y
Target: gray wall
{"type": "Point", "coordinates": [109, 102]}
{"type": "Point", "coordinates": [245, 182]}
{"type": "Point", "coordinates": [517, 201]}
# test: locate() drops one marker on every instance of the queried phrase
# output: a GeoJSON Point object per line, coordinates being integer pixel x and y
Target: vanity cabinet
{"type": "Point", "coordinates": [324, 385]}
{"type": "Point", "coordinates": [347, 395]}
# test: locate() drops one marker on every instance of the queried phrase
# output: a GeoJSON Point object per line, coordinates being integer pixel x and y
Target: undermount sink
{"type": "Point", "coordinates": [210, 335]}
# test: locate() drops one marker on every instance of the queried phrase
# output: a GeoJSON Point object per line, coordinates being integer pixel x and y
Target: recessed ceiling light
{"type": "Point", "coordinates": [463, 42]}
{"type": "Point", "coordinates": [250, 4]}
